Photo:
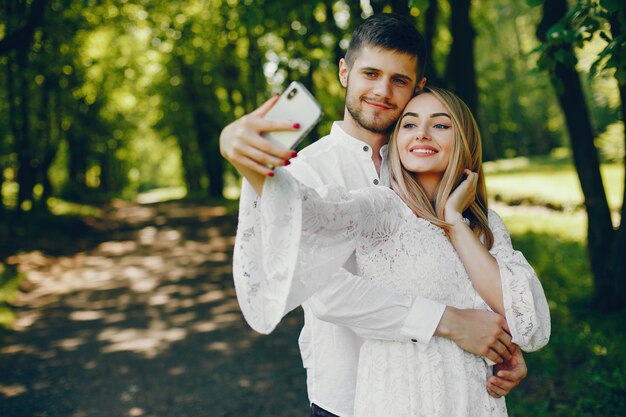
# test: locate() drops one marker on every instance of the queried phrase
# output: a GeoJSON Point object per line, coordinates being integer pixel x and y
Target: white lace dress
{"type": "Point", "coordinates": [298, 237]}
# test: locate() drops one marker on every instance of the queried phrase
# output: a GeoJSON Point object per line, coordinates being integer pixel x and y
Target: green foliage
{"type": "Point", "coordinates": [582, 371]}
{"type": "Point", "coordinates": [517, 117]}
{"type": "Point", "coordinates": [585, 20]}
{"type": "Point", "coordinates": [9, 282]}
{"type": "Point", "coordinates": [534, 3]}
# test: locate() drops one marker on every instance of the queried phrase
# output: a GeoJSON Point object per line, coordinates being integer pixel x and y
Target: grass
{"type": "Point", "coordinates": [539, 181]}
{"type": "Point", "coordinates": [582, 371]}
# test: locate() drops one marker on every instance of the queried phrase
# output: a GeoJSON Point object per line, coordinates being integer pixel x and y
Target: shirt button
{"type": "Point", "coordinates": [414, 340]}
{"type": "Point", "coordinates": [375, 182]}
{"type": "Point", "coordinates": [366, 148]}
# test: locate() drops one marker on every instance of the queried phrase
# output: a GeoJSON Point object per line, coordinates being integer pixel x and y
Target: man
{"type": "Point", "coordinates": [382, 70]}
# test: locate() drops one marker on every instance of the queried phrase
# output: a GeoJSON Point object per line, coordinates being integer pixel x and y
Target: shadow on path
{"type": "Point", "coordinates": [146, 324]}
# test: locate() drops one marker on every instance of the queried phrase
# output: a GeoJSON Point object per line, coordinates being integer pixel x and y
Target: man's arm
{"type": "Point", "coordinates": [373, 312]}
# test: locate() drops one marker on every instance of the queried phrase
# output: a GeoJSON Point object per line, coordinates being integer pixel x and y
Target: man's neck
{"type": "Point", "coordinates": [374, 140]}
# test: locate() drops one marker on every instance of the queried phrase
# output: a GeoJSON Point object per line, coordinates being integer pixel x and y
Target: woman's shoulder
{"type": "Point", "coordinates": [494, 219]}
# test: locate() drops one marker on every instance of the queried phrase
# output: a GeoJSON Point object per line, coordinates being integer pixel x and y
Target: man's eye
{"type": "Point", "coordinates": [400, 81]}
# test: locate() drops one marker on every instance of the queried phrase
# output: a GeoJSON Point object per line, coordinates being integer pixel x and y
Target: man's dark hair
{"type": "Point", "coordinates": [388, 31]}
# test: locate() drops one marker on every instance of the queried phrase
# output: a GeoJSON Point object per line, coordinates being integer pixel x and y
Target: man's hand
{"type": "Point", "coordinates": [243, 146]}
{"type": "Point", "coordinates": [480, 332]}
{"type": "Point", "coordinates": [507, 375]}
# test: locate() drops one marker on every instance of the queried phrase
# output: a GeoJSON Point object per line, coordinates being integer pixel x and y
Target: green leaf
{"type": "Point", "coordinates": [613, 5]}
{"type": "Point", "coordinates": [422, 5]}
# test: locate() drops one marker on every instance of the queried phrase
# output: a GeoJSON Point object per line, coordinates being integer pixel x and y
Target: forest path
{"type": "Point", "coordinates": [145, 322]}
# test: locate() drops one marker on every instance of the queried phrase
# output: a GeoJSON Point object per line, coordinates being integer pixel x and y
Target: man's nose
{"type": "Point", "coordinates": [382, 87]}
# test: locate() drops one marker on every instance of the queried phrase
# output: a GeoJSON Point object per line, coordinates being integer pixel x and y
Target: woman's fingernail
{"type": "Point", "coordinates": [296, 125]}
{"type": "Point", "coordinates": [270, 174]}
{"type": "Point", "coordinates": [294, 154]}
{"type": "Point", "coordinates": [287, 163]}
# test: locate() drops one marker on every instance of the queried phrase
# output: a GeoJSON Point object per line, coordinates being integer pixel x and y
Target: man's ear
{"type": "Point", "coordinates": [420, 84]}
{"type": "Point", "coordinates": [343, 72]}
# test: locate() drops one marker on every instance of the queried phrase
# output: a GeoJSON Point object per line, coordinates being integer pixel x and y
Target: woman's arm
{"type": "Point", "coordinates": [480, 265]}
{"type": "Point", "coordinates": [502, 276]}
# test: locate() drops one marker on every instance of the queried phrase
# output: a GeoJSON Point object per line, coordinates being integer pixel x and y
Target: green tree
{"type": "Point", "coordinates": [560, 30]}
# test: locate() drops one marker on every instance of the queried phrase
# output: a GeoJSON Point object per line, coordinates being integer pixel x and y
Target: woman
{"type": "Point", "coordinates": [417, 238]}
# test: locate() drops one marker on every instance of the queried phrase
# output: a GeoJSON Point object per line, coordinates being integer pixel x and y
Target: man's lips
{"type": "Point", "coordinates": [423, 150]}
{"type": "Point", "coordinates": [379, 105]}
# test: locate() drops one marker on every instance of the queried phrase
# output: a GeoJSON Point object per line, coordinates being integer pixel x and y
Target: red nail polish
{"type": "Point", "coordinates": [294, 154]}
{"type": "Point", "coordinates": [287, 163]}
{"type": "Point", "coordinates": [296, 125]}
{"type": "Point", "coordinates": [270, 174]}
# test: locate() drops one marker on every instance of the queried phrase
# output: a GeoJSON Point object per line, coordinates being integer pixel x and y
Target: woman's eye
{"type": "Point", "coordinates": [409, 125]}
{"type": "Point", "coordinates": [441, 126]}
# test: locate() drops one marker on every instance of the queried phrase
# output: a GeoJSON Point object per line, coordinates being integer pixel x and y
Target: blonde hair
{"type": "Point", "coordinates": [466, 153]}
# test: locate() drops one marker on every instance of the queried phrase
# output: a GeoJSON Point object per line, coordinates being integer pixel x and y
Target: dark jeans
{"type": "Point", "coordinates": [320, 412]}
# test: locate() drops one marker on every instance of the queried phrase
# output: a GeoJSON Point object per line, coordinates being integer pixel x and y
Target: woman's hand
{"type": "Point", "coordinates": [461, 198]}
{"type": "Point", "coordinates": [242, 144]}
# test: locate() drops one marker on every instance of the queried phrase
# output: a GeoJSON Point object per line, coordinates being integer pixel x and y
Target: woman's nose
{"type": "Point", "coordinates": [421, 133]}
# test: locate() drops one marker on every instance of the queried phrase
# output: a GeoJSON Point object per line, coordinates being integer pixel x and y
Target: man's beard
{"type": "Point", "coordinates": [373, 124]}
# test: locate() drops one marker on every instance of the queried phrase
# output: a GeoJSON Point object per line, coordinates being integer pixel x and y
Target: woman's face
{"type": "Point", "coordinates": [425, 137]}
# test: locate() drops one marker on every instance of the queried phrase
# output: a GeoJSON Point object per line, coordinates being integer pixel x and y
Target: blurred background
{"type": "Point", "coordinates": [117, 212]}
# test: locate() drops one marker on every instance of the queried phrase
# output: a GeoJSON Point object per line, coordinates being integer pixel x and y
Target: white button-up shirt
{"type": "Point", "coordinates": [347, 309]}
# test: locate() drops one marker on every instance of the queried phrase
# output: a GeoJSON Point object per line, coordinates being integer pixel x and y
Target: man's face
{"type": "Point", "coordinates": [378, 86]}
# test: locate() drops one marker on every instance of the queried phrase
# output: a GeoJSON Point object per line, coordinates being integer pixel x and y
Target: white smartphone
{"type": "Point", "coordinates": [296, 104]}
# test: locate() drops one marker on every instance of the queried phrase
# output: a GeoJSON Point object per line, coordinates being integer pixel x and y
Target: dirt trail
{"type": "Point", "coordinates": [146, 323]}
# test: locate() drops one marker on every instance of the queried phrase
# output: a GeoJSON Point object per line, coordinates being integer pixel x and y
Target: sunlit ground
{"type": "Point", "coordinates": [145, 324]}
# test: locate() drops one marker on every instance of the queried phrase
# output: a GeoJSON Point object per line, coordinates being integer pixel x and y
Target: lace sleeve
{"type": "Point", "coordinates": [289, 243]}
{"type": "Point", "coordinates": [525, 304]}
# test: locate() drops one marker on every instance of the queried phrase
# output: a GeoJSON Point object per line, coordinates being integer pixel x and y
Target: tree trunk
{"type": "Point", "coordinates": [460, 68]}
{"type": "Point", "coordinates": [613, 282]}
{"type": "Point", "coordinates": [430, 28]}
{"type": "Point", "coordinates": [600, 234]}
{"type": "Point", "coordinates": [24, 146]}
{"type": "Point", "coordinates": [206, 132]}
{"type": "Point", "coordinates": [77, 169]}
{"type": "Point", "coordinates": [20, 38]}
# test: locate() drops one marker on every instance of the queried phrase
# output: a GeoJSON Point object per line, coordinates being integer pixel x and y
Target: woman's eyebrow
{"type": "Point", "coordinates": [441, 114]}
{"type": "Point", "coordinates": [409, 114]}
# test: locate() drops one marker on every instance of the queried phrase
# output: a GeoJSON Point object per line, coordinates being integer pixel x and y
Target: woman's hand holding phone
{"type": "Point", "coordinates": [242, 143]}
{"type": "Point", "coordinates": [265, 138]}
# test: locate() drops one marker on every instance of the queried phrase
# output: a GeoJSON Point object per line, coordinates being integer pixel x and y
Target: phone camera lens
{"type": "Point", "coordinates": [292, 93]}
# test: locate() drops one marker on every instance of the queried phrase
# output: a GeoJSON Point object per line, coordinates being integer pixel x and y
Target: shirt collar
{"type": "Point", "coordinates": [353, 144]}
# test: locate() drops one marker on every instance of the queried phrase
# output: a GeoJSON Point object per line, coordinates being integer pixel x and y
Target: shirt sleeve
{"type": "Point", "coordinates": [293, 244]}
{"type": "Point", "coordinates": [526, 308]}
{"type": "Point", "coordinates": [373, 312]}
{"type": "Point", "coordinates": [369, 310]}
